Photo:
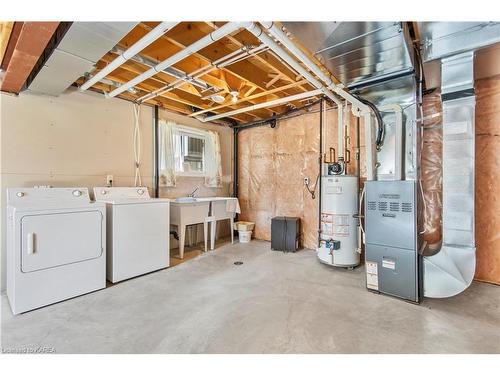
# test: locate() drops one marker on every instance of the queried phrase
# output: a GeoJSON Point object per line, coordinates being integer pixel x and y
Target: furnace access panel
{"type": "Point", "coordinates": [392, 260]}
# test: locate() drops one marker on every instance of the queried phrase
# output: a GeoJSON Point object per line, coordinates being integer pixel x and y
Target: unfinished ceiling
{"type": "Point", "coordinates": [200, 70]}
{"type": "Point", "coordinates": [234, 72]}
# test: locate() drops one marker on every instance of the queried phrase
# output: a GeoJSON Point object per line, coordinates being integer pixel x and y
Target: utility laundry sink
{"type": "Point", "coordinates": [185, 199]}
{"type": "Point", "coordinates": [186, 211]}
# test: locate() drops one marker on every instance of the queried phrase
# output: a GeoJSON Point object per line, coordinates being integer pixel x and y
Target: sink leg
{"type": "Point", "coordinates": [213, 227]}
{"type": "Point", "coordinates": [231, 222]}
{"type": "Point", "coordinates": [205, 234]}
{"type": "Point", "coordinates": [182, 238]}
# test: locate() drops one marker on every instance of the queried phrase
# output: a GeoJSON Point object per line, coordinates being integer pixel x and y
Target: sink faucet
{"type": "Point", "coordinates": [193, 192]}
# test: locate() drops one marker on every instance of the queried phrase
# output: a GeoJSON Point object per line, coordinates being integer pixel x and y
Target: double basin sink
{"type": "Point", "coordinates": [202, 199]}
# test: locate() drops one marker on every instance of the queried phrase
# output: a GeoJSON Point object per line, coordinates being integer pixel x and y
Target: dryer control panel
{"type": "Point", "coordinates": [22, 196]}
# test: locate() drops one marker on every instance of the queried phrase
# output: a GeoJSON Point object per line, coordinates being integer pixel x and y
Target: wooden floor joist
{"type": "Point", "coordinates": [255, 78]}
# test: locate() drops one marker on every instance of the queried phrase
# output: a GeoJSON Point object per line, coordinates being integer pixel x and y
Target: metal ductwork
{"type": "Point", "coordinates": [376, 62]}
{"type": "Point", "coordinates": [451, 270]}
{"type": "Point", "coordinates": [454, 55]}
{"type": "Point", "coordinates": [443, 39]}
{"type": "Point", "coordinates": [79, 50]}
{"type": "Point", "coordinates": [356, 51]}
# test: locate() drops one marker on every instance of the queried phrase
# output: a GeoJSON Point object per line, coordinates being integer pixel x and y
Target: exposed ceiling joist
{"type": "Point", "coordinates": [227, 76]}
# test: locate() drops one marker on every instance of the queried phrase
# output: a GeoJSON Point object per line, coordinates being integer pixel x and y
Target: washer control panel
{"type": "Point", "coordinates": [112, 193]}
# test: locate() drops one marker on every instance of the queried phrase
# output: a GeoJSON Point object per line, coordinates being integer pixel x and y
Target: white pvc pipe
{"type": "Point", "coordinates": [340, 130]}
{"type": "Point", "coordinates": [137, 47]}
{"type": "Point", "coordinates": [215, 35]}
{"type": "Point", "coordinates": [268, 41]}
{"type": "Point", "coordinates": [272, 103]}
{"type": "Point", "coordinates": [194, 75]}
{"type": "Point", "coordinates": [347, 125]}
{"type": "Point", "coordinates": [339, 90]}
{"type": "Point", "coordinates": [231, 58]}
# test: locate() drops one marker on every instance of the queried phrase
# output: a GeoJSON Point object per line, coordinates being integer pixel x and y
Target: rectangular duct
{"type": "Point", "coordinates": [355, 52]}
{"type": "Point", "coordinates": [77, 53]}
{"type": "Point", "coordinates": [442, 39]}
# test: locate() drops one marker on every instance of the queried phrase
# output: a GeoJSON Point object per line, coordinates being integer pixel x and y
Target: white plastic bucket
{"type": "Point", "coordinates": [243, 225]}
{"type": "Point", "coordinates": [245, 236]}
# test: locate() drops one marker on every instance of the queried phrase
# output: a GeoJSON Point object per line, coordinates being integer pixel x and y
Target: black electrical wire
{"type": "Point", "coordinates": [380, 124]}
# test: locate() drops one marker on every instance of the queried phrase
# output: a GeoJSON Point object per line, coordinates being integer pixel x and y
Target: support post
{"type": "Point", "coordinates": [156, 152]}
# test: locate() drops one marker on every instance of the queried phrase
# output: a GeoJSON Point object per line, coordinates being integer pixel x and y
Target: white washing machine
{"type": "Point", "coordinates": [138, 228]}
{"type": "Point", "coordinates": [56, 245]}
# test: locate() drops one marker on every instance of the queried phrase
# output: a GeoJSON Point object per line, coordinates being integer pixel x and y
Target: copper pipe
{"type": "Point", "coordinates": [332, 158]}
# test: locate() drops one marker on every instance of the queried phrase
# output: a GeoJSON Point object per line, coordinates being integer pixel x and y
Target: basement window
{"type": "Point", "coordinates": [189, 153]}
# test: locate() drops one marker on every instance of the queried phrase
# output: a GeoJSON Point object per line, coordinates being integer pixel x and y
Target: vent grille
{"type": "Point", "coordinates": [394, 206]}
{"type": "Point", "coordinates": [372, 205]}
{"type": "Point", "coordinates": [382, 206]}
{"type": "Point", "coordinates": [407, 207]}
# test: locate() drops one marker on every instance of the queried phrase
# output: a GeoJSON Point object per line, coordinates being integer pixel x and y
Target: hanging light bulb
{"type": "Point", "coordinates": [234, 95]}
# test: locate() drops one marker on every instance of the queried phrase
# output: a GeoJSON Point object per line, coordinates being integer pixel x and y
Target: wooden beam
{"type": "Point", "coordinates": [249, 76]}
{"type": "Point", "coordinates": [276, 78]}
{"type": "Point", "coordinates": [174, 96]}
{"type": "Point", "coordinates": [5, 31]}
{"type": "Point", "coordinates": [189, 32]}
{"type": "Point", "coordinates": [29, 46]}
{"type": "Point", "coordinates": [252, 97]}
{"type": "Point", "coordinates": [161, 49]}
{"type": "Point", "coordinates": [187, 97]}
{"type": "Point", "coordinates": [122, 75]}
{"type": "Point", "coordinates": [266, 58]}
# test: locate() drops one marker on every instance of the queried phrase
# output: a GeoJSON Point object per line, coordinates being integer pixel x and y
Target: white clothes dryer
{"type": "Point", "coordinates": [56, 246]}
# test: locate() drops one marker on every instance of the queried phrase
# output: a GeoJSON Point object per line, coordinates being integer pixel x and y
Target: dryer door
{"type": "Point", "coordinates": [56, 239]}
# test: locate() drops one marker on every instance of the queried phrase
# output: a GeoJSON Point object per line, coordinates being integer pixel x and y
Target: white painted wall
{"type": "Point", "coordinates": [75, 139]}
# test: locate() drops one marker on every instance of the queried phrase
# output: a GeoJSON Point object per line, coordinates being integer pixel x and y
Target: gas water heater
{"type": "Point", "coordinates": [338, 238]}
{"type": "Point", "coordinates": [339, 225]}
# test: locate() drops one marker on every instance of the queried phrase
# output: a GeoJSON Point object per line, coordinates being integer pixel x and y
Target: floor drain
{"type": "Point", "coordinates": [238, 263]}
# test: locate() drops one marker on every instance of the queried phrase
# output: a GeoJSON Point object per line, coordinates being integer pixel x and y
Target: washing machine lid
{"type": "Point", "coordinates": [48, 198]}
{"type": "Point", "coordinates": [125, 195]}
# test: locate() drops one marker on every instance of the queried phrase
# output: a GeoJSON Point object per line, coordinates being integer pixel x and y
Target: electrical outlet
{"type": "Point", "coordinates": [306, 180]}
{"type": "Point", "coordinates": [109, 180]}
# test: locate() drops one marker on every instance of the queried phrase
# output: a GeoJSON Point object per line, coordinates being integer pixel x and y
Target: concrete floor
{"type": "Point", "coordinates": [273, 303]}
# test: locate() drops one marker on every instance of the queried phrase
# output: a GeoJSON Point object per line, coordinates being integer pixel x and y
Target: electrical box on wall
{"type": "Point", "coordinates": [392, 259]}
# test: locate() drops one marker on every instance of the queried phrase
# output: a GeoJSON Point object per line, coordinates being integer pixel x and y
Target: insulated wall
{"type": "Point", "coordinates": [272, 164]}
{"type": "Point", "coordinates": [488, 179]}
